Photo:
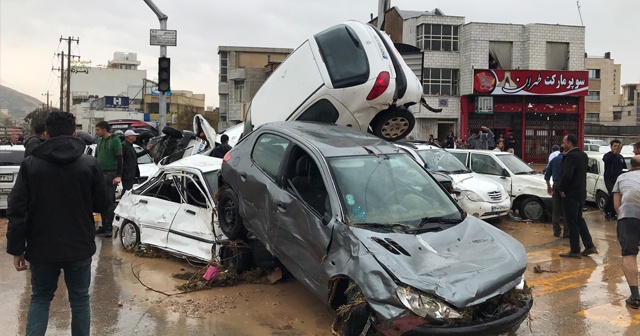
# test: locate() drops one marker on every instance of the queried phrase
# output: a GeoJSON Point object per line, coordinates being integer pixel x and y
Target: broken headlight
{"type": "Point", "coordinates": [472, 196]}
{"type": "Point", "coordinates": [425, 305]}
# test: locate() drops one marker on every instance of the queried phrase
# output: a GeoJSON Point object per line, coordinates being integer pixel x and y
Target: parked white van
{"type": "Point", "coordinates": [350, 75]}
{"type": "Point", "coordinates": [527, 187]}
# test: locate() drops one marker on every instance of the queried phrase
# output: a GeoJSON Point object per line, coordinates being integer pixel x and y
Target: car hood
{"type": "Point", "coordinates": [464, 265]}
{"type": "Point", "coordinates": [529, 184]}
{"type": "Point", "coordinates": [201, 126]}
{"type": "Point", "coordinates": [478, 184]}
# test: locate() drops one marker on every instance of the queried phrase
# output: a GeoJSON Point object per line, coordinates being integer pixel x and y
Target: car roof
{"type": "Point", "coordinates": [17, 148]}
{"type": "Point", "coordinates": [333, 140]}
{"type": "Point", "coordinates": [485, 151]}
{"type": "Point", "coordinates": [417, 145]}
{"type": "Point", "coordinates": [202, 162]}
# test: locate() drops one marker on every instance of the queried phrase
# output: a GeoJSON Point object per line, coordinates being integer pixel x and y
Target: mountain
{"type": "Point", "coordinates": [18, 104]}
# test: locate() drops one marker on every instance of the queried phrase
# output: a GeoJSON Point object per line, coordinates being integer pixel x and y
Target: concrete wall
{"type": "Point", "coordinates": [609, 87]}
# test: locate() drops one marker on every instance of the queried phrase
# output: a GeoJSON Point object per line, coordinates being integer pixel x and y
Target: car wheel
{"type": "Point", "coordinates": [393, 124]}
{"type": "Point", "coordinates": [601, 200]}
{"type": "Point", "coordinates": [356, 319]}
{"type": "Point", "coordinates": [532, 208]}
{"type": "Point", "coordinates": [238, 257]}
{"type": "Point", "coordinates": [229, 216]}
{"type": "Point", "coordinates": [130, 235]}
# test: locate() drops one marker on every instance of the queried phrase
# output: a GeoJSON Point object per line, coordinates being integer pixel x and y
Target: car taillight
{"type": "Point", "coordinates": [380, 86]}
{"type": "Point", "coordinates": [227, 157]}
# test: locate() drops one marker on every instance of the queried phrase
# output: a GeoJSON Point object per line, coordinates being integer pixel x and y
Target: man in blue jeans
{"type": "Point", "coordinates": [51, 225]}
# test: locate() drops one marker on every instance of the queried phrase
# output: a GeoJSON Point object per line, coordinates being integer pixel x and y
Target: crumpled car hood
{"type": "Point", "coordinates": [530, 184]}
{"type": "Point", "coordinates": [464, 265]}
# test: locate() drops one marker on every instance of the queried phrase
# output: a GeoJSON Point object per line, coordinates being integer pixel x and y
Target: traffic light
{"type": "Point", "coordinates": [164, 74]}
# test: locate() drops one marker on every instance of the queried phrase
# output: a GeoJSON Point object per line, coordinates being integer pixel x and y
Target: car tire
{"type": "Point", "coordinates": [129, 235]}
{"type": "Point", "coordinates": [229, 215]}
{"type": "Point", "coordinates": [356, 320]}
{"type": "Point", "coordinates": [601, 199]}
{"type": "Point", "coordinates": [532, 208]}
{"type": "Point", "coordinates": [393, 124]}
{"type": "Point", "coordinates": [238, 257]}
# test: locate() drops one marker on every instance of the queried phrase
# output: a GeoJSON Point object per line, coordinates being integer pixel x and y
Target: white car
{"type": "Point", "coordinates": [174, 210]}
{"type": "Point", "coordinates": [596, 142]}
{"type": "Point", "coordinates": [527, 187]}
{"type": "Point", "coordinates": [10, 159]}
{"type": "Point", "coordinates": [477, 195]}
{"type": "Point", "coordinates": [592, 148]}
{"type": "Point", "coordinates": [351, 75]}
{"type": "Point", "coordinates": [596, 188]}
{"type": "Point", "coordinates": [234, 132]}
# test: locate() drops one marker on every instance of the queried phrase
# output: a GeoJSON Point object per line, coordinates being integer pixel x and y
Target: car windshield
{"type": "Point", "coordinates": [390, 191]}
{"type": "Point", "coordinates": [11, 157]}
{"type": "Point", "coordinates": [212, 181]}
{"type": "Point", "coordinates": [442, 161]}
{"type": "Point", "coordinates": [515, 165]}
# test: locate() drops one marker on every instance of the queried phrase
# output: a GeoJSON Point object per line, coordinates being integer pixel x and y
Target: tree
{"type": "Point", "coordinates": [184, 118]}
{"type": "Point", "coordinates": [37, 116]}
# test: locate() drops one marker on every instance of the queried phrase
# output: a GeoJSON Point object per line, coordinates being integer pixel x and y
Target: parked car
{"type": "Point", "coordinates": [527, 187]}
{"type": "Point", "coordinates": [10, 159]}
{"type": "Point", "coordinates": [592, 148]}
{"type": "Point", "coordinates": [353, 218]}
{"type": "Point", "coordinates": [174, 210]}
{"type": "Point", "coordinates": [351, 75]}
{"type": "Point", "coordinates": [477, 195]}
{"type": "Point", "coordinates": [596, 188]}
{"type": "Point", "coordinates": [132, 124]}
{"type": "Point", "coordinates": [234, 132]}
{"type": "Point", "coordinates": [596, 142]}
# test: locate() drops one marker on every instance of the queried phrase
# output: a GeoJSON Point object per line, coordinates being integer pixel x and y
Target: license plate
{"type": "Point", "coordinates": [499, 208]}
{"type": "Point", "coordinates": [6, 178]}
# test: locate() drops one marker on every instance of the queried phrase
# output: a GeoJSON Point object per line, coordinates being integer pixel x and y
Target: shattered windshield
{"type": "Point", "coordinates": [442, 161]}
{"type": "Point", "coordinates": [390, 191]}
{"type": "Point", "coordinates": [515, 165]}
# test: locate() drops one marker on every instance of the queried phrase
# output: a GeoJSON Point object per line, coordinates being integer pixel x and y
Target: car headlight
{"type": "Point", "coordinates": [472, 196]}
{"type": "Point", "coordinates": [424, 305]}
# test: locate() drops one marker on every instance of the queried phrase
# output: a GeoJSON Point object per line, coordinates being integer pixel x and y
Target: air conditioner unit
{"type": "Point", "coordinates": [484, 105]}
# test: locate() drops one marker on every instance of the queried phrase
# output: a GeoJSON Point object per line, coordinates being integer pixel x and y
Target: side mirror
{"type": "Point", "coordinates": [326, 219]}
{"type": "Point", "coordinates": [505, 173]}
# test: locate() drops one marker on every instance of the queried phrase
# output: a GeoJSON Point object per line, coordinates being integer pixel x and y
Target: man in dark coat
{"type": "Point", "coordinates": [222, 149]}
{"type": "Point", "coordinates": [613, 165]}
{"type": "Point", "coordinates": [35, 140]}
{"type": "Point", "coordinates": [130, 169]}
{"type": "Point", "coordinates": [573, 190]}
{"type": "Point", "coordinates": [51, 225]}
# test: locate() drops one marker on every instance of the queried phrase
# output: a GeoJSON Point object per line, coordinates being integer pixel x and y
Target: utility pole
{"type": "Point", "coordinates": [69, 57]}
{"type": "Point", "coordinates": [48, 106]}
{"type": "Point", "coordinates": [61, 69]}
{"type": "Point", "coordinates": [162, 108]}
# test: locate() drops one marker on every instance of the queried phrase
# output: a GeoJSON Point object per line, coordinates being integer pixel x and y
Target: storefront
{"type": "Point", "coordinates": [538, 107]}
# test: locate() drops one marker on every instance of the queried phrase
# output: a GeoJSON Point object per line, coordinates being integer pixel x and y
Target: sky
{"type": "Point", "coordinates": [30, 32]}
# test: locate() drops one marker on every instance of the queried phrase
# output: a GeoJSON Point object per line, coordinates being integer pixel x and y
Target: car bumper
{"type": "Point", "coordinates": [485, 210]}
{"type": "Point", "coordinates": [548, 203]}
{"type": "Point", "coordinates": [501, 325]}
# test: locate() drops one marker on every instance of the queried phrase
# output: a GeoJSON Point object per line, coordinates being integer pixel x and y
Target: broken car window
{"type": "Point", "coordinates": [163, 188]}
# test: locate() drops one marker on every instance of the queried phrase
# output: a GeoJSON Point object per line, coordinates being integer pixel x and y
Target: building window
{"type": "Point", "coordinates": [239, 91]}
{"type": "Point", "coordinates": [630, 93]}
{"type": "Point", "coordinates": [437, 37]}
{"type": "Point", "coordinates": [594, 73]}
{"type": "Point", "coordinates": [593, 96]}
{"type": "Point", "coordinates": [223, 66]}
{"type": "Point", "coordinates": [440, 81]}
{"type": "Point", "coordinates": [500, 55]}
{"type": "Point", "coordinates": [224, 107]}
{"type": "Point", "coordinates": [557, 56]}
{"type": "Point", "coordinates": [628, 113]}
{"type": "Point", "coordinates": [593, 117]}
{"type": "Point", "coordinates": [617, 115]}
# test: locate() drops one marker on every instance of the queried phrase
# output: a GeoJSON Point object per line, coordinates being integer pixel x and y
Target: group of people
{"type": "Point", "coordinates": [482, 138]}
{"type": "Point", "coordinates": [567, 167]}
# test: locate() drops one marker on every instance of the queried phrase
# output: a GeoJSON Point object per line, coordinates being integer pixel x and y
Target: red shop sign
{"type": "Point", "coordinates": [530, 82]}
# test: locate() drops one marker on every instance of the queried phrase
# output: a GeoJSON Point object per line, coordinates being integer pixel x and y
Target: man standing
{"type": "Point", "coordinates": [573, 190]}
{"type": "Point", "coordinates": [613, 166]}
{"type": "Point", "coordinates": [483, 138]}
{"type": "Point", "coordinates": [553, 170]}
{"type": "Point", "coordinates": [130, 169]}
{"type": "Point", "coordinates": [51, 222]}
{"type": "Point", "coordinates": [35, 140]}
{"type": "Point", "coordinates": [109, 154]}
{"type": "Point", "coordinates": [555, 151]}
{"type": "Point", "coordinates": [222, 149]}
{"type": "Point", "coordinates": [636, 148]}
{"type": "Point", "coordinates": [626, 201]}
{"type": "Point", "coordinates": [13, 140]}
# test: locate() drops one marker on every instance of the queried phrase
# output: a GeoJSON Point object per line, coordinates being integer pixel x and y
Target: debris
{"type": "Point", "coordinates": [275, 276]}
{"type": "Point", "coordinates": [211, 273]}
{"type": "Point", "coordinates": [226, 277]}
{"type": "Point", "coordinates": [147, 251]}
{"type": "Point", "coordinates": [120, 303]}
{"type": "Point", "coordinates": [538, 269]}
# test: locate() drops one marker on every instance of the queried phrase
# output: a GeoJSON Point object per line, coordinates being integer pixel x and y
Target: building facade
{"type": "Point", "coordinates": [178, 102]}
{"type": "Point", "coordinates": [604, 90]}
{"type": "Point", "coordinates": [242, 71]}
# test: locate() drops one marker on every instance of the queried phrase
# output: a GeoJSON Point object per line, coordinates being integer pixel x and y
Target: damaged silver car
{"type": "Point", "coordinates": [371, 233]}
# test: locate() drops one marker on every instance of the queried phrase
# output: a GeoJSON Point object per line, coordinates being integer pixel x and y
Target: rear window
{"type": "Point", "coordinates": [321, 111]}
{"type": "Point", "coordinates": [11, 158]}
{"type": "Point", "coordinates": [344, 56]}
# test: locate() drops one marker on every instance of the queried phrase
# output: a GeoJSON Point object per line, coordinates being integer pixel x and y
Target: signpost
{"type": "Point", "coordinates": [166, 38]}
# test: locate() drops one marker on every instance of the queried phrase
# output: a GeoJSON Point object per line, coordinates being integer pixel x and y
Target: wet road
{"type": "Point", "coordinates": [578, 297]}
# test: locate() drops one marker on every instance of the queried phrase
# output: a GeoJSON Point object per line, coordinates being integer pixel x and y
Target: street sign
{"type": "Point", "coordinates": [155, 92]}
{"type": "Point", "coordinates": [160, 37]}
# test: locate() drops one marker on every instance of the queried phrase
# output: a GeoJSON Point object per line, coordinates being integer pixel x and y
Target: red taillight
{"type": "Point", "coordinates": [380, 86]}
{"type": "Point", "coordinates": [227, 157]}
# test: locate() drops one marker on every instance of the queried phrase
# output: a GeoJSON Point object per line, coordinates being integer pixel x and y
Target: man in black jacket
{"type": "Point", "coordinates": [613, 165]}
{"type": "Point", "coordinates": [130, 169]}
{"type": "Point", "coordinates": [51, 225]}
{"type": "Point", "coordinates": [35, 140]}
{"type": "Point", "coordinates": [573, 190]}
{"type": "Point", "coordinates": [223, 148]}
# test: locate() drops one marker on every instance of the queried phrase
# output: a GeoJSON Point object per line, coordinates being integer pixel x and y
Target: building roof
{"type": "Point", "coordinates": [255, 49]}
{"type": "Point", "coordinates": [408, 14]}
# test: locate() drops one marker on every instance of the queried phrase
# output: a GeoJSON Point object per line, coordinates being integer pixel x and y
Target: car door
{"type": "Point", "coordinates": [191, 232]}
{"type": "Point", "coordinates": [299, 204]}
{"type": "Point", "coordinates": [155, 208]}
{"type": "Point", "coordinates": [488, 166]}
{"type": "Point", "coordinates": [259, 180]}
{"type": "Point", "coordinates": [593, 173]}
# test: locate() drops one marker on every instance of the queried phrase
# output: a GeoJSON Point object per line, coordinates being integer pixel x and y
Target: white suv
{"type": "Point", "coordinates": [477, 195]}
{"type": "Point", "coordinates": [527, 187]}
{"type": "Point", "coordinates": [350, 75]}
{"type": "Point", "coordinates": [10, 159]}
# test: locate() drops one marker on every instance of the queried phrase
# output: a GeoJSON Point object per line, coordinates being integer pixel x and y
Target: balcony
{"type": "Point", "coordinates": [238, 74]}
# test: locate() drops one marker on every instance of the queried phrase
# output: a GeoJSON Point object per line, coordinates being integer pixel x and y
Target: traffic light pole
{"type": "Point", "coordinates": [162, 108]}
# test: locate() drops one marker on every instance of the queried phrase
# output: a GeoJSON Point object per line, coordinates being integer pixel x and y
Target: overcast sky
{"type": "Point", "coordinates": [30, 31]}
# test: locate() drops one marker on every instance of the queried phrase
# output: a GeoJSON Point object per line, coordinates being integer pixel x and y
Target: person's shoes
{"type": "Point", "coordinates": [566, 236]}
{"type": "Point", "coordinates": [608, 217]}
{"type": "Point", "coordinates": [100, 230]}
{"type": "Point", "coordinates": [633, 302]}
{"type": "Point", "coordinates": [556, 234]}
{"type": "Point", "coordinates": [589, 250]}
{"type": "Point", "coordinates": [575, 255]}
{"type": "Point", "coordinates": [108, 233]}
